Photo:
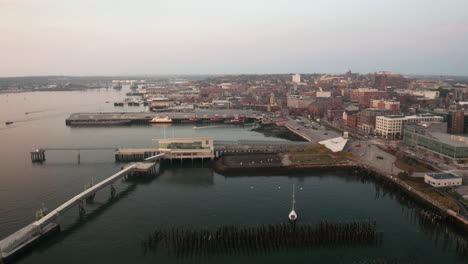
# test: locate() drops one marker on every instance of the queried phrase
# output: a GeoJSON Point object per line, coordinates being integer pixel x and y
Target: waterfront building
{"type": "Point", "coordinates": [442, 179]}
{"type": "Point", "coordinates": [391, 127]}
{"type": "Point", "coordinates": [186, 148]}
{"type": "Point", "coordinates": [432, 137]}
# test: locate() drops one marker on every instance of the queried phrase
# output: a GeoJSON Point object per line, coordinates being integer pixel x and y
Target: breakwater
{"type": "Point", "coordinates": [232, 239]}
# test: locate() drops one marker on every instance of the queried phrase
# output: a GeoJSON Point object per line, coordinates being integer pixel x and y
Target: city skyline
{"type": "Point", "coordinates": [209, 37]}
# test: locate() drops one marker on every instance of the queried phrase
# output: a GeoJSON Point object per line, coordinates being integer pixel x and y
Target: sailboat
{"type": "Point", "coordinates": [292, 214]}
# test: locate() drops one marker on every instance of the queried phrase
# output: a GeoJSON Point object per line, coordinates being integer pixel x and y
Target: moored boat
{"type": "Point", "coordinates": [236, 120]}
{"type": "Point", "coordinates": [216, 119]}
{"type": "Point", "coordinates": [191, 120]}
{"type": "Point", "coordinates": [292, 215]}
{"type": "Point", "coordinates": [161, 120]}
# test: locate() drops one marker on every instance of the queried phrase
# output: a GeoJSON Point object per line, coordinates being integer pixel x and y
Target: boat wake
{"type": "Point", "coordinates": [203, 127]}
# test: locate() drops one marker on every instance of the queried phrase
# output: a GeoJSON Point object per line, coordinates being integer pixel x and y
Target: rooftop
{"type": "Point", "coordinates": [435, 131]}
{"type": "Point", "coordinates": [443, 176]}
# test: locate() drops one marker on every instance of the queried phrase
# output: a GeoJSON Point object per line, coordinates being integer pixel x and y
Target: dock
{"type": "Point", "coordinates": [145, 117]}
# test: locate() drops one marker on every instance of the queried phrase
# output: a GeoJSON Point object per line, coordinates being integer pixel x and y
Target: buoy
{"type": "Point", "coordinates": [292, 215]}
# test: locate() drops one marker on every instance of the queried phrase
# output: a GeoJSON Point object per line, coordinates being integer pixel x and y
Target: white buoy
{"type": "Point", "coordinates": [292, 214]}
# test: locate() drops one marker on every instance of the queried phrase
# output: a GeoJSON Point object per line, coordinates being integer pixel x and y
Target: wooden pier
{"type": "Point", "coordinates": [38, 155]}
{"type": "Point", "coordinates": [127, 155]}
{"type": "Point", "coordinates": [145, 117]}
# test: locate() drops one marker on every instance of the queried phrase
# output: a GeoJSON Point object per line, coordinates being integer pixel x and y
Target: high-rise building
{"type": "Point", "coordinates": [458, 122]}
{"type": "Point", "coordinates": [296, 78]}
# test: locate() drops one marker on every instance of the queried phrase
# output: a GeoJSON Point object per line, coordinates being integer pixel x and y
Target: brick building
{"type": "Point", "coordinates": [457, 124]}
{"type": "Point", "coordinates": [392, 106]}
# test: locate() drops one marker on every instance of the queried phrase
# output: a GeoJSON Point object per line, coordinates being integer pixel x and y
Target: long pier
{"type": "Point", "coordinates": [38, 155]}
{"type": "Point", "coordinates": [13, 245]}
{"type": "Point", "coordinates": [113, 118]}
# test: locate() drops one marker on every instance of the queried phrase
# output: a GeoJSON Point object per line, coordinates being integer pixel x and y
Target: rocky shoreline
{"type": "Point", "coordinates": [273, 130]}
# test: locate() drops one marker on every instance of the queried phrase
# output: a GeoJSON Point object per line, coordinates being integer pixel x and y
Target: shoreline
{"type": "Point", "coordinates": [277, 131]}
{"type": "Point", "coordinates": [52, 90]}
{"type": "Point", "coordinates": [359, 169]}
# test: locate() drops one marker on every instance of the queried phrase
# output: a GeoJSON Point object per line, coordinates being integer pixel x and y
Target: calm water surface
{"type": "Point", "coordinates": [181, 195]}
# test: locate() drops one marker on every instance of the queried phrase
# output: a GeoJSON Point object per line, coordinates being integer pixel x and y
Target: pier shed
{"type": "Point", "coordinates": [186, 148]}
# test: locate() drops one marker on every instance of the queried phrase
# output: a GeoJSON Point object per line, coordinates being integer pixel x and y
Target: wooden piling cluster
{"type": "Point", "coordinates": [432, 221]}
{"type": "Point", "coordinates": [231, 239]}
{"type": "Point", "coordinates": [147, 169]}
{"type": "Point", "coordinates": [386, 187]}
{"type": "Point", "coordinates": [38, 155]}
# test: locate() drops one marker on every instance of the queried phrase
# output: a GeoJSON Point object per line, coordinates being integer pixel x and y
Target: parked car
{"type": "Point", "coordinates": [380, 157]}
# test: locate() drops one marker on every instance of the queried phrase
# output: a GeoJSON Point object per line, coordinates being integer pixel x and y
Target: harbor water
{"type": "Point", "coordinates": [186, 195]}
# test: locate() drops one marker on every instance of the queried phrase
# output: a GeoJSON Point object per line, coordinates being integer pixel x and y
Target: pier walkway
{"type": "Point", "coordinates": [27, 236]}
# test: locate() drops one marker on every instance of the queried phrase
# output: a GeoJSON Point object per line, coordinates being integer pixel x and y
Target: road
{"type": "Point", "coordinates": [367, 152]}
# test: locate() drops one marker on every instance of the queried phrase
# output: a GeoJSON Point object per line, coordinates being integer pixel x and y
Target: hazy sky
{"type": "Point", "coordinates": [111, 37]}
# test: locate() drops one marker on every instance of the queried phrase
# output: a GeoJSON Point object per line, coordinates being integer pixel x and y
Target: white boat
{"type": "Point", "coordinates": [292, 214]}
{"type": "Point", "coordinates": [161, 120]}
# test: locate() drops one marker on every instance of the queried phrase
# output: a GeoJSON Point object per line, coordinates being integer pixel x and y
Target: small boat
{"type": "Point", "coordinates": [236, 120]}
{"type": "Point", "coordinates": [292, 214]}
{"type": "Point", "coordinates": [216, 119]}
{"type": "Point", "coordinates": [107, 102]}
{"type": "Point", "coordinates": [9, 122]}
{"type": "Point", "coordinates": [161, 120]}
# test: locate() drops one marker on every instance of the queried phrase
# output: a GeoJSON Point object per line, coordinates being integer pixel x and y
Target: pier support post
{"type": "Point", "coordinates": [90, 198]}
{"type": "Point", "coordinates": [79, 159]}
{"type": "Point", "coordinates": [112, 191]}
{"type": "Point", "coordinates": [81, 209]}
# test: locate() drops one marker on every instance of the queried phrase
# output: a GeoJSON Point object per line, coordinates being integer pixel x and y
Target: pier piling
{"type": "Point", "coordinates": [38, 155]}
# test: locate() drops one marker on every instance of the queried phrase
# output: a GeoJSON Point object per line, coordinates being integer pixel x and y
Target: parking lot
{"type": "Point", "coordinates": [312, 129]}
